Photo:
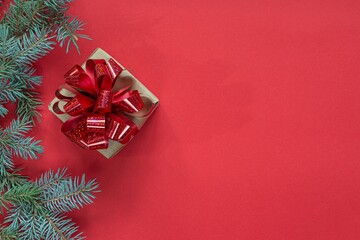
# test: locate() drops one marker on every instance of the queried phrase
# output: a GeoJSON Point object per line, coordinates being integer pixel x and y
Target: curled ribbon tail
{"type": "Point", "coordinates": [129, 102]}
{"type": "Point", "coordinates": [97, 138]}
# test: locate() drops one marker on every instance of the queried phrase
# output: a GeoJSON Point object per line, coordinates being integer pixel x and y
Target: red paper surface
{"type": "Point", "coordinates": [257, 133]}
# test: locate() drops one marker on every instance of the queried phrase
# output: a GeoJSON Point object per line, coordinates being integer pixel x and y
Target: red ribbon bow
{"type": "Point", "coordinates": [101, 106]}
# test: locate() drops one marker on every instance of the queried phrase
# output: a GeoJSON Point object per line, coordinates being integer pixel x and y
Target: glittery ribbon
{"type": "Point", "coordinates": [102, 105]}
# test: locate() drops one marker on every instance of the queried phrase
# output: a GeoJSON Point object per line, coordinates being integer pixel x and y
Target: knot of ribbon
{"type": "Point", "coordinates": [101, 106]}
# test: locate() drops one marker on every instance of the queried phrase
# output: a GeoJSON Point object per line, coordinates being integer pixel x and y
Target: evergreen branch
{"type": "Point", "coordinates": [22, 195]}
{"type": "Point", "coordinates": [27, 220]}
{"type": "Point", "coordinates": [3, 110]}
{"type": "Point", "coordinates": [14, 216]}
{"type": "Point", "coordinates": [17, 127]}
{"type": "Point", "coordinates": [24, 50]}
{"type": "Point", "coordinates": [18, 213]}
{"type": "Point", "coordinates": [67, 31]}
{"type": "Point", "coordinates": [11, 91]}
{"type": "Point", "coordinates": [26, 147]}
{"type": "Point", "coordinates": [69, 195]}
{"type": "Point", "coordinates": [7, 49]}
{"type": "Point", "coordinates": [12, 140]}
{"type": "Point", "coordinates": [26, 34]}
{"type": "Point", "coordinates": [12, 179]}
{"type": "Point", "coordinates": [6, 42]}
{"type": "Point", "coordinates": [25, 76]}
{"type": "Point", "coordinates": [57, 5]}
{"type": "Point", "coordinates": [7, 233]}
{"type": "Point", "coordinates": [51, 179]}
{"type": "Point", "coordinates": [31, 226]}
{"type": "Point", "coordinates": [27, 107]}
{"type": "Point", "coordinates": [6, 161]}
{"type": "Point", "coordinates": [34, 46]}
{"type": "Point", "coordinates": [55, 228]}
{"type": "Point", "coordinates": [58, 227]}
{"type": "Point", "coordinates": [24, 15]}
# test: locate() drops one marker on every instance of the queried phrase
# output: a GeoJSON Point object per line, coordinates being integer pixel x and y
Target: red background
{"type": "Point", "coordinates": [257, 133]}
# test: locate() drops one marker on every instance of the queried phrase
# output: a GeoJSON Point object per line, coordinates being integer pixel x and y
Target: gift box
{"type": "Point", "coordinates": [102, 105]}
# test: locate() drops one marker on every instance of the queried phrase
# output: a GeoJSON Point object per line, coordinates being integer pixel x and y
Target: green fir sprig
{"type": "Point", "coordinates": [28, 31]}
{"type": "Point", "coordinates": [35, 210]}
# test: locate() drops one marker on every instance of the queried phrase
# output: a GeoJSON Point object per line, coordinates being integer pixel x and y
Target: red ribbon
{"type": "Point", "coordinates": [101, 106]}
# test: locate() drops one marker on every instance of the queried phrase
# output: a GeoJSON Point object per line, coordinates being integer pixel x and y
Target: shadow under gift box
{"type": "Point", "coordinates": [114, 146]}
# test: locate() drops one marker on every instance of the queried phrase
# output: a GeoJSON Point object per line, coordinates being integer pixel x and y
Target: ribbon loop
{"type": "Point", "coordinates": [96, 123]}
{"type": "Point", "coordinates": [129, 102]}
{"type": "Point", "coordinates": [114, 68]}
{"type": "Point", "coordinates": [120, 128]}
{"type": "Point", "coordinates": [73, 75]}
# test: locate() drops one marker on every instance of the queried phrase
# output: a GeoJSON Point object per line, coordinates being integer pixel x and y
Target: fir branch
{"type": "Point", "coordinates": [67, 31]}
{"type": "Point", "coordinates": [27, 107]}
{"type": "Point", "coordinates": [14, 216]}
{"type": "Point", "coordinates": [55, 229]}
{"type": "Point", "coordinates": [7, 42]}
{"type": "Point", "coordinates": [26, 34]}
{"type": "Point", "coordinates": [11, 91]}
{"type": "Point", "coordinates": [3, 110]}
{"type": "Point", "coordinates": [27, 148]}
{"type": "Point", "coordinates": [69, 195]}
{"type": "Point", "coordinates": [57, 5]}
{"type": "Point", "coordinates": [13, 179]}
{"type": "Point", "coordinates": [17, 127]}
{"type": "Point", "coordinates": [25, 76]}
{"type": "Point", "coordinates": [7, 49]}
{"type": "Point", "coordinates": [8, 233]}
{"type": "Point", "coordinates": [21, 195]}
{"type": "Point", "coordinates": [12, 139]}
{"type": "Point", "coordinates": [24, 16]}
{"type": "Point", "coordinates": [59, 227]}
{"type": "Point", "coordinates": [6, 161]}
{"type": "Point", "coordinates": [33, 46]}
{"type": "Point", "coordinates": [27, 220]}
{"type": "Point", "coordinates": [18, 213]}
{"type": "Point", "coordinates": [51, 179]}
{"type": "Point", "coordinates": [21, 14]}
{"type": "Point", "coordinates": [29, 19]}
{"type": "Point", "coordinates": [24, 50]}
{"type": "Point", "coordinates": [31, 226]}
